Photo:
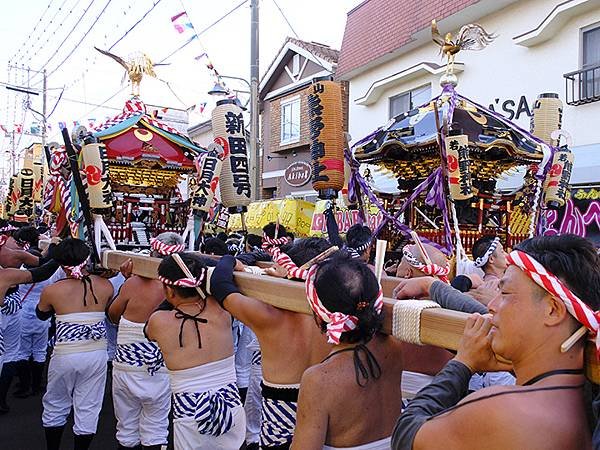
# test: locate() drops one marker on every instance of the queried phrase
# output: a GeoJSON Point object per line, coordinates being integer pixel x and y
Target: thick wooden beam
{"type": "Point", "coordinates": [439, 327]}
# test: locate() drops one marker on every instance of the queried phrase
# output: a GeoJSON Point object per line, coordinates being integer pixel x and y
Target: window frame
{"type": "Point", "coordinates": [582, 31]}
{"type": "Point", "coordinates": [410, 98]}
{"type": "Point", "coordinates": [282, 104]}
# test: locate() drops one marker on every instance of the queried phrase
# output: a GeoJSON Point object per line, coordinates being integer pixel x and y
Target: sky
{"type": "Point", "coordinates": [38, 34]}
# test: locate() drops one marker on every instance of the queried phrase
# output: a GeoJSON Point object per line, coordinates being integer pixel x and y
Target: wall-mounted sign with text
{"type": "Point", "coordinates": [298, 173]}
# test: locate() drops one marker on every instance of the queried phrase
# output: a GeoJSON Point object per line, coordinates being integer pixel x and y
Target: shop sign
{"type": "Point", "coordinates": [298, 173]}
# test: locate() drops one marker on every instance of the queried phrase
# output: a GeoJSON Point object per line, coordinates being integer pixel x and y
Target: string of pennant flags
{"type": "Point", "coordinates": [183, 25]}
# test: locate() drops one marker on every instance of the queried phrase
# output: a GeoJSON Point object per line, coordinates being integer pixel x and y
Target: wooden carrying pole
{"type": "Point", "coordinates": [439, 327]}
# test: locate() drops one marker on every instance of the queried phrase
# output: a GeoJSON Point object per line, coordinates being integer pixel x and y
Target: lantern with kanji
{"type": "Point", "coordinates": [458, 164]}
{"type": "Point", "coordinates": [229, 132]}
{"type": "Point", "coordinates": [547, 116]}
{"type": "Point", "coordinates": [204, 185]}
{"type": "Point", "coordinates": [326, 137]}
{"type": "Point", "coordinates": [558, 178]}
{"type": "Point", "coordinates": [95, 166]}
{"type": "Point", "coordinates": [24, 185]}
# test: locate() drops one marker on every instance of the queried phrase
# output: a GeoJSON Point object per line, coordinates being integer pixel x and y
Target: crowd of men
{"type": "Point", "coordinates": [188, 352]}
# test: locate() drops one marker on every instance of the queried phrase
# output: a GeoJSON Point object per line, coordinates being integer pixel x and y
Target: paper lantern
{"type": "Point", "coordinates": [458, 164]}
{"type": "Point", "coordinates": [95, 166]}
{"type": "Point", "coordinates": [326, 137]}
{"type": "Point", "coordinates": [204, 185]}
{"type": "Point", "coordinates": [12, 197]}
{"type": "Point", "coordinates": [38, 181]}
{"type": "Point", "coordinates": [557, 181]}
{"type": "Point", "coordinates": [547, 116]}
{"type": "Point", "coordinates": [24, 186]}
{"type": "Point", "coordinates": [228, 129]}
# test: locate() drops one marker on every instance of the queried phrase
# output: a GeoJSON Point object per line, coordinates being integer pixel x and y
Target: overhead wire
{"type": "Point", "coordinates": [286, 19]}
{"type": "Point", "coordinates": [81, 40]}
{"type": "Point", "coordinates": [70, 34]}
{"type": "Point", "coordinates": [31, 34]}
{"type": "Point", "coordinates": [181, 47]}
{"type": "Point", "coordinates": [60, 24]}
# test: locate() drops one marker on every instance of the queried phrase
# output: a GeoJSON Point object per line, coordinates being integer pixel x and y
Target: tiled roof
{"type": "Point", "coordinates": [321, 50]}
{"type": "Point", "coordinates": [378, 27]}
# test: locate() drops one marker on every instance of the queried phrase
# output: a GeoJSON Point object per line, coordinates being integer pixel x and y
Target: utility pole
{"type": "Point", "coordinates": [254, 113]}
{"type": "Point", "coordinates": [44, 89]}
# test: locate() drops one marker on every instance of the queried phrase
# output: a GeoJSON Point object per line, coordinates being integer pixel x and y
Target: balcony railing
{"type": "Point", "coordinates": [583, 86]}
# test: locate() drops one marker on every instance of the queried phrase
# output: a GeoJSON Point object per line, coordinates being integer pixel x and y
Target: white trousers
{"type": "Point", "coordinates": [11, 329]}
{"type": "Point", "coordinates": [34, 343]}
{"type": "Point", "coordinates": [187, 437]}
{"type": "Point", "coordinates": [142, 404]}
{"type": "Point", "coordinates": [75, 380]}
{"type": "Point", "coordinates": [253, 404]}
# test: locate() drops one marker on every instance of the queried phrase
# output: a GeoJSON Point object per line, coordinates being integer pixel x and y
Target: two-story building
{"type": "Point", "coordinates": [285, 134]}
{"type": "Point", "coordinates": [391, 64]}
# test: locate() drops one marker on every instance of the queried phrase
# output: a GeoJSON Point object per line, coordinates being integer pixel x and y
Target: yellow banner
{"type": "Point", "coordinates": [295, 215]}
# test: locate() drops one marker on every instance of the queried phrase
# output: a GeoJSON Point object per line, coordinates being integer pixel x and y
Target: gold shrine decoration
{"type": "Point", "coordinates": [144, 177]}
{"type": "Point", "coordinates": [229, 131]}
{"type": "Point", "coordinates": [326, 137]}
{"type": "Point", "coordinates": [95, 166]}
{"type": "Point", "coordinates": [458, 164]}
{"type": "Point", "coordinates": [203, 185]}
{"type": "Point", "coordinates": [547, 116]}
{"type": "Point", "coordinates": [559, 176]}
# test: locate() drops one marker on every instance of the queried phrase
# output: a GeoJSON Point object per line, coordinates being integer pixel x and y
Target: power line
{"type": "Point", "coordinates": [70, 33]}
{"type": "Point", "coordinates": [286, 19]}
{"type": "Point", "coordinates": [32, 32]}
{"type": "Point", "coordinates": [101, 105]}
{"type": "Point", "coordinates": [135, 24]}
{"type": "Point", "coordinates": [60, 23]}
{"type": "Point", "coordinates": [203, 31]}
{"type": "Point", "coordinates": [81, 40]}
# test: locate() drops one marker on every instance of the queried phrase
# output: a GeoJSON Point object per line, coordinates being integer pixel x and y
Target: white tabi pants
{"type": "Point", "coordinates": [75, 380]}
{"type": "Point", "coordinates": [142, 403]}
{"type": "Point", "coordinates": [11, 329]}
{"type": "Point", "coordinates": [186, 436]}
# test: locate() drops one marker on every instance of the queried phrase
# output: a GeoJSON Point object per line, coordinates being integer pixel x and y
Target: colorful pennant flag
{"type": "Point", "coordinates": [62, 125]}
{"type": "Point", "coordinates": [201, 107]}
{"type": "Point", "coordinates": [181, 22]}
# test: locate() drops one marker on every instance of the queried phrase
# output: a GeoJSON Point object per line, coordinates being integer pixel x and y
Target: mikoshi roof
{"type": "Point", "coordinates": [135, 135]}
{"type": "Point", "coordinates": [408, 144]}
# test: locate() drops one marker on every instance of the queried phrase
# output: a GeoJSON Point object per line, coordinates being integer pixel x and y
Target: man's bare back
{"type": "Point", "coordinates": [137, 299]}
{"type": "Point", "coordinates": [354, 415]}
{"type": "Point", "coordinates": [67, 296]}
{"type": "Point", "coordinates": [216, 341]}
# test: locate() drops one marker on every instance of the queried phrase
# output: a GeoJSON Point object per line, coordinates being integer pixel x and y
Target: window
{"type": "Point", "coordinates": [590, 63]}
{"type": "Point", "coordinates": [406, 101]}
{"type": "Point", "coordinates": [290, 121]}
{"type": "Point", "coordinates": [296, 65]}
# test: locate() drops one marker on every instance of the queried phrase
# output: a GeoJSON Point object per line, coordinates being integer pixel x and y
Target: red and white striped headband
{"type": "Point", "coordinates": [270, 242]}
{"type": "Point", "coordinates": [427, 269]}
{"type": "Point", "coordinates": [337, 322]}
{"type": "Point", "coordinates": [77, 271]}
{"type": "Point", "coordinates": [187, 282]}
{"type": "Point", "coordinates": [550, 282]}
{"type": "Point", "coordinates": [286, 262]}
{"type": "Point", "coordinates": [165, 249]}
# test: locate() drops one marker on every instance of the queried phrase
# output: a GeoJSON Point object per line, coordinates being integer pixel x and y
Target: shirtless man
{"type": "Point", "coordinates": [490, 257]}
{"type": "Point", "coordinates": [351, 399]}
{"type": "Point", "coordinates": [11, 253]}
{"type": "Point", "coordinates": [196, 342]}
{"type": "Point", "coordinates": [426, 360]}
{"type": "Point", "coordinates": [289, 343]}
{"type": "Point", "coordinates": [141, 392]}
{"type": "Point", "coordinates": [359, 240]}
{"type": "Point", "coordinates": [77, 369]}
{"type": "Point", "coordinates": [528, 324]}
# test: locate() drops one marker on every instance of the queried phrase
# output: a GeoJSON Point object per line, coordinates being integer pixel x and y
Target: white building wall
{"type": "Point", "coordinates": [503, 71]}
